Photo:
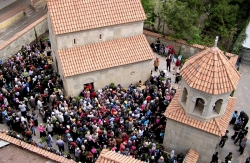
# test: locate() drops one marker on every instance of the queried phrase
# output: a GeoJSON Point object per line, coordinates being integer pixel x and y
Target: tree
{"type": "Point", "coordinates": [149, 7]}
{"type": "Point", "coordinates": [180, 18]}
{"type": "Point", "coordinates": [223, 18]}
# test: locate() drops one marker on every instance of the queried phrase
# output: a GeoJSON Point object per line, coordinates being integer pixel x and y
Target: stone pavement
{"type": "Point", "coordinates": [242, 103]}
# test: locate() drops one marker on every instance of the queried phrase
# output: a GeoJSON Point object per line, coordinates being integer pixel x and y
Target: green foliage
{"type": "Point", "coordinates": [43, 139]}
{"type": "Point", "coordinates": [195, 36]}
{"type": "Point", "coordinates": [237, 46]}
{"type": "Point", "coordinates": [112, 85]}
{"type": "Point", "coordinates": [180, 18]}
{"type": "Point", "coordinates": [149, 7]}
{"type": "Point", "coordinates": [232, 93]}
{"type": "Point", "coordinates": [196, 5]}
{"type": "Point", "coordinates": [222, 18]}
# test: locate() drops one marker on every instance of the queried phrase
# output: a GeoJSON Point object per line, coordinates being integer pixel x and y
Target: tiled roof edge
{"type": "Point", "coordinates": [34, 149]}
{"type": "Point", "coordinates": [192, 156]}
{"type": "Point", "coordinates": [228, 73]}
{"type": "Point", "coordinates": [19, 34]}
{"type": "Point", "coordinates": [218, 124]}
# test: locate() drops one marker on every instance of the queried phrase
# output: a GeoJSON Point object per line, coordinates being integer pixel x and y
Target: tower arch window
{"type": "Point", "coordinates": [199, 106]}
{"type": "Point", "coordinates": [217, 106]}
{"type": "Point", "coordinates": [184, 96]}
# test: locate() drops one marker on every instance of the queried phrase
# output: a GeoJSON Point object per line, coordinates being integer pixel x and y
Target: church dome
{"type": "Point", "coordinates": [210, 71]}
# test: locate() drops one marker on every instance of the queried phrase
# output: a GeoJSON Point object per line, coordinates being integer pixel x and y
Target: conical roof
{"type": "Point", "coordinates": [210, 71]}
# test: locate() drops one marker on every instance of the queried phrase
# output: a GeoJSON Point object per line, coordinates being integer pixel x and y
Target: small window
{"type": "Point", "coordinates": [100, 36]}
{"type": "Point", "coordinates": [74, 41]}
{"type": "Point", "coordinates": [199, 106]}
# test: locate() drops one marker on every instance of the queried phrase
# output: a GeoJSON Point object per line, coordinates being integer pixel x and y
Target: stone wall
{"type": "Point", "coordinates": [245, 55]}
{"type": "Point", "coordinates": [124, 75]}
{"type": "Point", "coordinates": [187, 50]}
{"type": "Point", "coordinates": [92, 36]}
{"type": "Point", "coordinates": [181, 138]}
{"type": "Point", "coordinates": [26, 36]}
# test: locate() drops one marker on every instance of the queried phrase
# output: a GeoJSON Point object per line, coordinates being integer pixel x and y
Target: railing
{"type": "Point", "coordinates": [12, 13]}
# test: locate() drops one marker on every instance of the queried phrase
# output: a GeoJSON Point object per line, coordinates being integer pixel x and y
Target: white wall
{"type": "Point", "coordinates": [118, 75]}
{"type": "Point", "coordinates": [246, 43]}
{"type": "Point", "coordinates": [92, 36]}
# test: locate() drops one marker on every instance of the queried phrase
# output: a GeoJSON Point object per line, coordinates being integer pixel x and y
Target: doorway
{"type": "Point", "coordinates": [89, 86]}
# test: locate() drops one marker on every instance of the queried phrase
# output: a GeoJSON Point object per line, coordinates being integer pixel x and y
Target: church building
{"type": "Point", "coordinates": [98, 42]}
{"type": "Point", "coordinates": [200, 112]}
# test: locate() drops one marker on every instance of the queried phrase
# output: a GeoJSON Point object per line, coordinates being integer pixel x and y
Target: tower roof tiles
{"type": "Point", "coordinates": [210, 71]}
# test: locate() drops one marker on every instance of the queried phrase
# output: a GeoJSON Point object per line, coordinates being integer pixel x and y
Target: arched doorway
{"type": "Point", "coordinates": [199, 106]}
{"type": "Point", "coordinates": [217, 106]}
{"type": "Point", "coordinates": [184, 96]}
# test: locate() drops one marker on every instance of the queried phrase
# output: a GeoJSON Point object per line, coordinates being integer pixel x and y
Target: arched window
{"type": "Point", "coordinates": [184, 96]}
{"type": "Point", "coordinates": [217, 106]}
{"type": "Point", "coordinates": [199, 106]}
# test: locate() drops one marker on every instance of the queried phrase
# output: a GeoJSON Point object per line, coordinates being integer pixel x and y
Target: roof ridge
{"type": "Point", "coordinates": [218, 125]}
{"type": "Point", "coordinates": [29, 147]}
{"type": "Point", "coordinates": [228, 74]}
{"type": "Point", "coordinates": [70, 59]}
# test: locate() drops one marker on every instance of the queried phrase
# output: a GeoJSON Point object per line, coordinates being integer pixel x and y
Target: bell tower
{"type": "Point", "coordinates": [207, 81]}
{"type": "Point", "coordinates": [201, 109]}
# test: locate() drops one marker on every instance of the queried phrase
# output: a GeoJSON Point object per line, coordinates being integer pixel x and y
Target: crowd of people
{"type": "Point", "coordinates": [127, 120]}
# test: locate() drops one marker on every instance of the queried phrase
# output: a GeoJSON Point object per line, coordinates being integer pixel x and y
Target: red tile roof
{"type": "Point", "coordinates": [192, 156]}
{"type": "Point", "coordinates": [103, 55]}
{"type": "Point", "coordinates": [77, 15]}
{"type": "Point", "coordinates": [210, 71]}
{"type": "Point", "coordinates": [216, 126]}
{"type": "Point", "coordinates": [12, 154]}
{"type": "Point", "coordinates": [107, 156]}
{"type": "Point", "coordinates": [34, 149]}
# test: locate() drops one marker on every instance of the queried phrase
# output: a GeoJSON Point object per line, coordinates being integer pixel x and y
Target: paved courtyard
{"type": "Point", "coordinates": [242, 103]}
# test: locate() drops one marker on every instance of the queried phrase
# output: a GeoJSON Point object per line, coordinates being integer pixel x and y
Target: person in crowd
{"type": "Point", "coordinates": [247, 160]}
{"type": "Point", "coordinates": [229, 157]}
{"type": "Point", "coordinates": [156, 64]}
{"type": "Point", "coordinates": [234, 117]}
{"type": "Point", "coordinates": [168, 61]}
{"type": "Point", "coordinates": [242, 146]}
{"type": "Point", "coordinates": [215, 158]}
{"type": "Point", "coordinates": [223, 139]}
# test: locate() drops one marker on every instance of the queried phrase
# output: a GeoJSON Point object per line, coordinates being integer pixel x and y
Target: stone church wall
{"type": "Point", "coordinates": [181, 138]}
{"type": "Point", "coordinates": [92, 36]}
{"type": "Point", "coordinates": [124, 75]}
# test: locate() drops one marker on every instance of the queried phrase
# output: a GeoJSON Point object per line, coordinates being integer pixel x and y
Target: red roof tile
{"type": "Point", "coordinates": [210, 71]}
{"type": "Point", "coordinates": [192, 156]}
{"type": "Point", "coordinates": [34, 149]}
{"type": "Point", "coordinates": [103, 55]}
{"type": "Point", "coordinates": [107, 156]}
{"type": "Point", "coordinates": [77, 15]}
{"type": "Point", "coordinates": [216, 126]}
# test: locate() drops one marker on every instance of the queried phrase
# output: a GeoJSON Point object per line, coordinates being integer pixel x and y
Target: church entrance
{"type": "Point", "coordinates": [88, 86]}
